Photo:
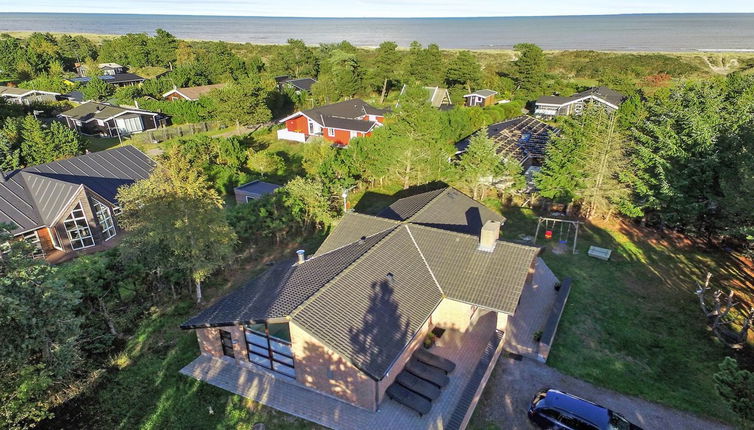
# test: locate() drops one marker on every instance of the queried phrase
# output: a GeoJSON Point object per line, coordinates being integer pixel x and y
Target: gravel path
{"type": "Point", "coordinates": [513, 384]}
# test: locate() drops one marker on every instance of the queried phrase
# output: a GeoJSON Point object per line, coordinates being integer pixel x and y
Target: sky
{"type": "Point", "coordinates": [379, 8]}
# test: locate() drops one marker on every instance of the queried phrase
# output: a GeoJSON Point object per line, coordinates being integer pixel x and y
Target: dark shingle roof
{"type": "Point", "coordinates": [375, 282]}
{"type": "Point", "coordinates": [32, 197]}
{"type": "Point", "coordinates": [521, 138]}
{"type": "Point", "coordinates": [446, 208]}
{"type": "Point", "coordinates": [353, 108]}
{"type": "Point", "coordinates": [103, 111]}
{"type": "Point", "coordinates": [346, 123]}
{"type": "Point", "coordinates": [284, 290]}
{"type": "Point", "coordinates": [118, 78]}
{"type": "Point", "coordinates": [372, 310]}
{"type": "Point", "coordinates": [352, 227]}
{"type": "Point", "coordinates": [611, 96]}
{"type": "Point", "coordinates": [303, 84]}
{"type": "Point", "coordinates": [258, 187]}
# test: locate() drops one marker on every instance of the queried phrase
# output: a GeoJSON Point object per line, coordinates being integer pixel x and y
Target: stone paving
{"type": "Point", "coordinates": [531, 315]}
{"type": "Point", "coordinates": [287, 395]}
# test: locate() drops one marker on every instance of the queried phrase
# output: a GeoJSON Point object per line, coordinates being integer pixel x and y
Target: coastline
{"type": "Point", "coordinates": [723, 52]}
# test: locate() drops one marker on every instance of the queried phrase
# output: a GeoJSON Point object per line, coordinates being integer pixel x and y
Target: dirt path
{"type": "Point", "coordinates": [514, 383]}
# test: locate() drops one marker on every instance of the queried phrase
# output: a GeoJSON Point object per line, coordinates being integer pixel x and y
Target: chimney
{"type": "Point", "coordinates": [489, 235]}
{"type": "Point", "coordinates": [301, 256]}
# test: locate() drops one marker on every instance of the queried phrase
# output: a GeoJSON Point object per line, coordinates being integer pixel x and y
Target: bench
{"type": "Point", "coordinates": [601, 253]}
{"type": "Point", "coordinates": [427, 372]}
{"type": "Point", "coordinates": [409, 399]}
{"type": "Point", "coordinates": [418, 385]}
{"type": "Point", "coordinates": [434, 360]}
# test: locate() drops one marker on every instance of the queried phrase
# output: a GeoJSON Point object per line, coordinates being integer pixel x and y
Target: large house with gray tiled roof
{"type": "Point", "coordinates": [350, 321]}
{"type": "Point", "coordinates": [70, 205]}
{"type": "Point", "coordinates": [553, 106]}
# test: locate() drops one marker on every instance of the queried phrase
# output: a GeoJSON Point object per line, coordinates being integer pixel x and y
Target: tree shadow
{"type": "Point", "coordinates": [382, 334]}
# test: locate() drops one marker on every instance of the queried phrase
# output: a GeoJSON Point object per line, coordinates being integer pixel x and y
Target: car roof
{"type": "Point", "coordinates": [573, 405]}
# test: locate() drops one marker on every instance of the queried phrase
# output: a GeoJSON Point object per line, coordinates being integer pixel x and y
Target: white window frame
{"type": "Point", "coordinates": [105, 219]}
{"type": "Point", "coordinates": [354, 134]}
{"type": "Point", "coordinates": [78, 224]}
{"type": "Point", "coordinates": [331, 132]}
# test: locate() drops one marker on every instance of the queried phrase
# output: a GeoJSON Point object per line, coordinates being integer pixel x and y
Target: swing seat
{"type": "Point", "coordinates": [548, 234]}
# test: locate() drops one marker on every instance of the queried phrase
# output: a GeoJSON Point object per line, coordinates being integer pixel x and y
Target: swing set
{"type": "Point", "coordinates": [567, 226]}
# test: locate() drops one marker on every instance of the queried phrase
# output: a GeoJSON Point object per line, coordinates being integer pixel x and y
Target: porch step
{"type": "Point", "coordinates": [409, 399]}
{"type": "Point", "coordinates": [418, 385]}
{"type": "Point", "coordinates": [427, 372]}
{"type": "Point", "coordinates": [434, 360]}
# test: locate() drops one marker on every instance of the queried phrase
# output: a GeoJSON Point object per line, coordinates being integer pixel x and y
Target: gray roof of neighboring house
{"type": "Point", "coordinates": [522, 137]}
{"type": "Point", "coordinates": [18, 92]}
{"type": "Point", "coordinates": [611, 96]}
{"type": "Point", "coordinates": [258, 187]}
{"type": "Point", "coordinates": [353, 108]}
{"type": "Point", "coordinates": [33, 197]}
{"type": "Point", "coordinates": [484, 93]}
{"type": "Point", "coordinates": [118, 78]}
{"type": "Point", "coordinates": [346, 123]}
{"type": "Point", "coordinates": [445, 208]}
{"type": "Point", "coordinates": [375, 282]}
{"type": "Point", "coordinates": [303, 84]}
{"type": "Point", "coordinates": [102, 111]}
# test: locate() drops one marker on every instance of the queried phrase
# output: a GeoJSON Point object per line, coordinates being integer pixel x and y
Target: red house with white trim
{"type": "Point", "coordinates": [338, 122]}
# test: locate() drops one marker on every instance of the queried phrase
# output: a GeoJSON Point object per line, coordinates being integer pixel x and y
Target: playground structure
{"type": "Point", "coordinates": [567, 226]}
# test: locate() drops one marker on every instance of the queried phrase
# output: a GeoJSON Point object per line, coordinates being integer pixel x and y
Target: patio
{"type": "Point", "coordinates": [531, 316]}
{"type": "Point", "coordinates": [475, 353]}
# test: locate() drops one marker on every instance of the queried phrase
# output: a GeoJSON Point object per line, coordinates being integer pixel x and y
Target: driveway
{"type": "Point", "coordinates": [514, 383]}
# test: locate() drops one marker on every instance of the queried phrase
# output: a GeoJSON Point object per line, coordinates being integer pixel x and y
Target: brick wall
{"type": "Point", "coordinates": [451, 314]}
{"type": "Point", "coordinates": [324, 370]}
{"type": "Point", "coordinates": [209, 341]}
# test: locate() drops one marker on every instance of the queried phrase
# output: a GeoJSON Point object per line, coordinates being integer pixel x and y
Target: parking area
{"type": "Point", "coordinates": [514, 383]}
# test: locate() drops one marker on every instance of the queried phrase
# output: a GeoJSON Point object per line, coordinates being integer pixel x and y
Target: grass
{"type": "Point", "coordinates": [633, 324]}
{"type": "Point", "coordinates": [143, 389]}
{"type": "Point", "coordinates": [102, 143]}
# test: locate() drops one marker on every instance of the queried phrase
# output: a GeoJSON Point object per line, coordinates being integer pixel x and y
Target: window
{"type": "Point", "coordinates": [127, 125]}
{"type": "Point", "coordinates": [105, 219]}
{"type": "Point", "coordinates": [331, 132]}
{"type": "Point", "coordinates": [354, 134]}
{"type": "Point", "coordinates": [33, 238]}
{"type": "Point", "coordinates": [227, 342]}
{"type": "Point", "coordinates": [269, 345]}
{"type": "Point", "coordinates": [77, 228]}
{"type": "Point", "coordinates": [117, 211]}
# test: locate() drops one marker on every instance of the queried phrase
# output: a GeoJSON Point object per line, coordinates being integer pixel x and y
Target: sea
{"type": "Point", "coordinates": [650, 32]}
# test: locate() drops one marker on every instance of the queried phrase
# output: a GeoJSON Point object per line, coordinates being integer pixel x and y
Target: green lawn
{"type": "Point", "coordinates": [633, 324]}
{"type": "Point", "coordinates": [143, 389]}
{"type": "Point", "coordinates": [101, 143]}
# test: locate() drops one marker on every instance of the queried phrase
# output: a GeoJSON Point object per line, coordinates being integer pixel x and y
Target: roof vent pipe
{"type": "Point", "coordinates": [301, 256]}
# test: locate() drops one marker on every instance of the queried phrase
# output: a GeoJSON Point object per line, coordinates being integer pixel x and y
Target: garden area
{"type": "Point", "coordinates": [633, 324]}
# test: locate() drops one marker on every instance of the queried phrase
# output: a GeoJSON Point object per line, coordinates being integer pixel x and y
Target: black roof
{"type": "Point", "coordinates": [609, 95]}
{"type": "Point", "coordinates": [375, 281]}
{"type": "Point", "coordinates": [303, 84]}
{"type": "Point", "coordinates": [353, 108]}
{"type": "Point", "coordinates": [33, 197]}
{"type": "Point", "coordinates": [522, 138]}
{"type": "Point", "coordinates": [258, 187]}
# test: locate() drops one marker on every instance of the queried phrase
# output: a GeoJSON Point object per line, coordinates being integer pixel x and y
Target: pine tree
{"type": "Point", "coordinates": [36, 145]}
{"type": "Point", "coordinates": [384, 71]}
{"type": "Point", "coordinates": [463, 70]}
{"type": "Point", "coordinates": [530, 67]}
{"type": "Point", "coordinates": [736, 386]}
{"type": "Point", "coordinates": [97, 89]}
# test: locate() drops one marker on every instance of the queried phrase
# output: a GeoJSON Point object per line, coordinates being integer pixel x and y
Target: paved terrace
{"type": "Point", "coordinates": [475, 353]}
{"type": "Point", "coordinates": [534, 308]}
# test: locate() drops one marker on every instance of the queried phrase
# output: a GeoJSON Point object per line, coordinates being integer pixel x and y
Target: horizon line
{"type": "Point", "coordinates": [382, 17]}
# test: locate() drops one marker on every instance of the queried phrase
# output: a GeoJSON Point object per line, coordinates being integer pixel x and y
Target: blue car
{"type": "Point", "coordinates": [556, 410]}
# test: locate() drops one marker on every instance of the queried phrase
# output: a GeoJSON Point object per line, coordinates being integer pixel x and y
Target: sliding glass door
{"type": "Point", "coordinates": [269, 345]}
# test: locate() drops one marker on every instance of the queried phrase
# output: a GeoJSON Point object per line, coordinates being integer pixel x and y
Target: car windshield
{"type": "Point", "coordinates": [617, 422]}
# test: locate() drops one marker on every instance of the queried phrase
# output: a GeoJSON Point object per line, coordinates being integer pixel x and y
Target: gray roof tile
{"type": "Point", "coordinates": [352, 227]}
